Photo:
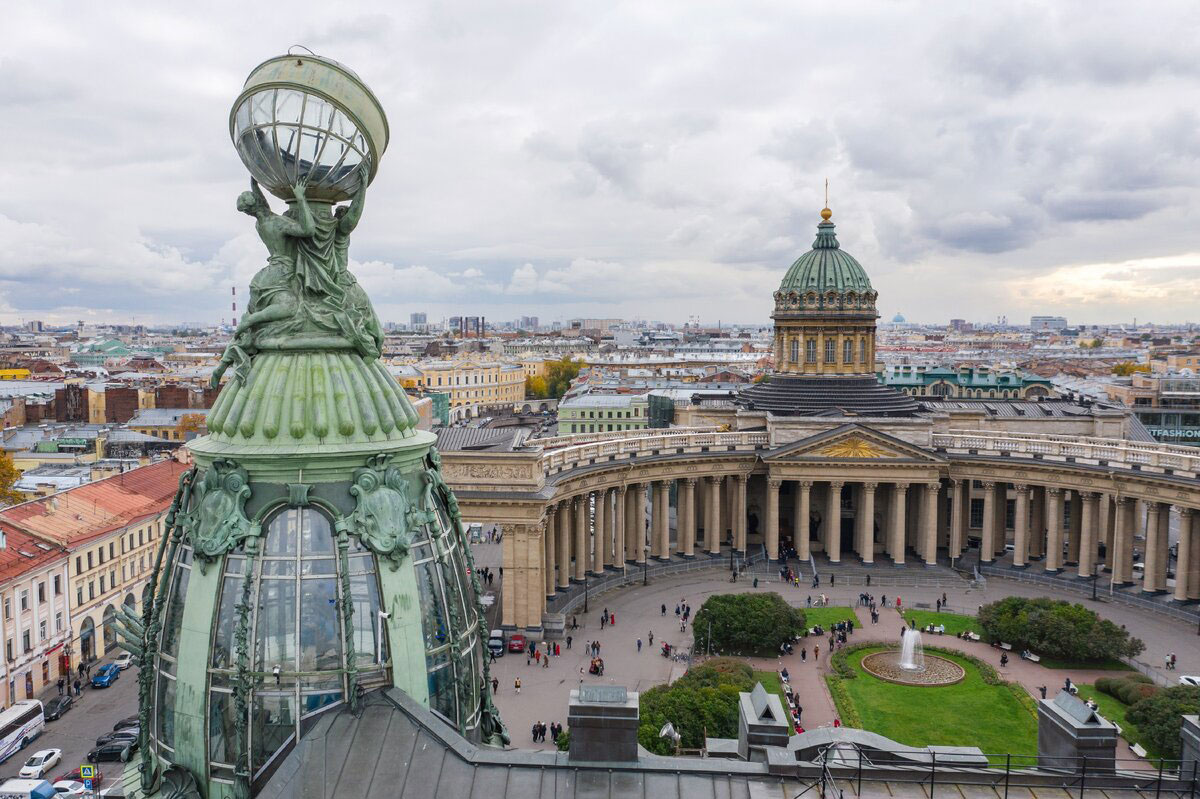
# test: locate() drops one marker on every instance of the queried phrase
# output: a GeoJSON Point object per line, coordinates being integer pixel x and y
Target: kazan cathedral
{"type": "Point", "coordinates": [315, 625]}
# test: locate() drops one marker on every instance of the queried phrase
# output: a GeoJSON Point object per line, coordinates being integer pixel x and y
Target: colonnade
{"type": "Point", "coordinates": [1083, 533]}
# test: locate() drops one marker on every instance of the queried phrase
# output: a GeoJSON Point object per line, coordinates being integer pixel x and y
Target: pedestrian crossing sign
{"type": "Point", "coordinates": [87, 772]}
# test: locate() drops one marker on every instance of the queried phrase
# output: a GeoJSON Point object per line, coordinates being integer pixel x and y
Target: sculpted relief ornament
{"type": "Point", "coordinates": [382, 516]}
{"type": "Point", "coordinates": [216, 521]}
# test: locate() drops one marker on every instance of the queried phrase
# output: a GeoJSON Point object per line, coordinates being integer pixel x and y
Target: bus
{"type": "Point", "coordinates": [19, 725]}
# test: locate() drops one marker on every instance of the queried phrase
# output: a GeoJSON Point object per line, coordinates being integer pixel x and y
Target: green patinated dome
{"type": "Point", "coordinates": [826, 267]}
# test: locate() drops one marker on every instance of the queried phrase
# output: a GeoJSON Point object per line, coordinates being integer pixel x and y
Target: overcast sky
{"type": "Point", "coordinates": [644, 159]}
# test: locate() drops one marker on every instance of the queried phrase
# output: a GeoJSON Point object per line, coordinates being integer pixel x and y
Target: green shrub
{"type": "Point", "coordinates": [1056, 629]}
{"type": "Point", "coordinates": [706, 698]}
{"type": "Point", "coordinates": [1160, 716]}
{"type": "Point", "coordinates": [563, 741]}
{"type": "Point", "coordinates": [746, 624]}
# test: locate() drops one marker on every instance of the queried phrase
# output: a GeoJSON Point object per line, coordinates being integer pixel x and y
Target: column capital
{"type": "Point", "coordinates": [836, 484]}
{"type": "Point", "coordinates": [1122, 502]}
{"type": "Point", "coordinates": [870, 487]}
{"type": "Point", "coordinates": [774, 484]}
{"type": "Point", "coordinates": [1020, 488]}
{"type": "Point", "coordinates": [741, 478]}
{"type": "Point", "coordinates": [579, 500]}
{"type": "Point", "coordinates": [551, 509]}
{"type": "Point", "coordinates": [714, 479]}
{"type": "Point", "coordinates": [1185, 513]}
{"type": "Point", "coordinates": [1089, 496]}
{"type": "Point", "coordinates": [1054, 492]}
{"type": "Point", "coordinates": [956, 482]}
{"type": "Point", "coordinates": [901, 486]}
{"type": "Point", "coordinates": [805, 484]}
{"type": "Point", "coordinates": [988, 485]}
{"type": "Point", "coordinates": [621, 489]}
{"type": "Point", "coordinates": [933, 487]}
{"type": "Point", "coordinates": [690, 481]}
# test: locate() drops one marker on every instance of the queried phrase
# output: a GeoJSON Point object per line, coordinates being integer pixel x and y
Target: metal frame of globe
{"type": "Point", "coordinates": [335, 84]}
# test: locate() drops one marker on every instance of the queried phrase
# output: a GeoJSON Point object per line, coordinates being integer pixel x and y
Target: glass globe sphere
{"type": "Point", "coordinates": [308, 118]}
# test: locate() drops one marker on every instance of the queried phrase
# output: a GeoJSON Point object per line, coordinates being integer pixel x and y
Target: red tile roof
{"type": "Point", "coordinates": [82, 514]}
{"type": "Point", "coordinates": [23, 554]}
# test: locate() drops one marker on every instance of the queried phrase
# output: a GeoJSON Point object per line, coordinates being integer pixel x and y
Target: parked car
{"type": "Point", "coordinates": [117, 750]}
{"type": "Point", "coordinates": [39, 763]}
{"type": "Point", "coordinates": [129, 735]}
{"type": "Point", "coordinates": [128, 721]}
{"type": "Point", "coordinates": [123, 660]}
{"type": "Point", "coordinates": [57, 707]}
{"type": "Point", "coordinates": [74, 776]}
{"type": "Point", "coordinates": [516, 643]}
{"type": "Point", "coordinates": [1190, 679]}
{"type": "Point", "coordinates": [68, 788]}
{"type": "Point", "coordinates": [496, 643]}
{"type": "Point", "coordinates": [106, 675]}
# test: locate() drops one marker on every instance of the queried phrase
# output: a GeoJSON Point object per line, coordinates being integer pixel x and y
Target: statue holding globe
{"type": "Point", "coordinates": [311, 134]}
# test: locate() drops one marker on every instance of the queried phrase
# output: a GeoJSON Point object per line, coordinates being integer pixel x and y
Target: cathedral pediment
{"type": "Point", "coordinates": [852, 442]}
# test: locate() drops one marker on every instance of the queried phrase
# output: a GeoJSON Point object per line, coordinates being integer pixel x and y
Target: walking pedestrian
{"type": "Point", "coordinates": [603, 620]}
{"type": "Point", "coordinates": [816, 651]}
{"type": "Point", "coordinates": [537, 728]}
{"type": "Point", "coordinates": [651, 636]}
{"type": "Point", "coordinates": [517, 685]}
{"type": "Point", "coordinates": [491, 656]}
{"type": "Point", "coordinates": [546, 662]}
{"type": "Point", "coordinates": [568, 642]}
{"type": "Point", "coordinates": [943, 599]}
{"type": "Point", "coordinates": [832, 580]}
{"type": "Point", "coordinates": [495, 684]}
{"type": "Point", "coordinates": [1042, 688]}
{"type": "Point", "coordinates": [804, 654]}
{"type": "Point", "coordinates": [612, 619]}
{"type": "Point", "coordinates": [799, 713]}
{"type": "Point", "coordinates": [77, 687]}
{"type": "Point", "coordinates": [664, 608]}
{"type": "Point", "coordinates": [639, 645]}
{"type": "Point", "coordinates": [62, 683]}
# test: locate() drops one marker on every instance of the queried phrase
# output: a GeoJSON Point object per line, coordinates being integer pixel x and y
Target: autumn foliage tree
{"type": "Point", "coordinates": [9, 475]}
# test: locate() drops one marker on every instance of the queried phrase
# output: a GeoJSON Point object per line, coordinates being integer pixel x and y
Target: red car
{"type": "Point", "coordinates": [73, 775]}
{"type": "Point", "coordinates": [517, 643]}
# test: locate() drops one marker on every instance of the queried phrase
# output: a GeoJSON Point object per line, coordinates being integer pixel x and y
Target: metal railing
{"type": "Point", "coordinates": [555, 442]}
{"type": "Point", "coordinates": [1084, 587]}
{"type": "Point", "coordinates": [1183, 461]}
{"type": "Point", "coordinates": [570, 457]}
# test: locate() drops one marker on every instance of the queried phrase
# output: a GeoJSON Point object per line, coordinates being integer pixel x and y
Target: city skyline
{"type": "Point", "coordinates": [656, 163]}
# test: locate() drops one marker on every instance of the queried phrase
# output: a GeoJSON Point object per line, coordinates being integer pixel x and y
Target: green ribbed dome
{"type": "Point", "coordinates": [826, 267]}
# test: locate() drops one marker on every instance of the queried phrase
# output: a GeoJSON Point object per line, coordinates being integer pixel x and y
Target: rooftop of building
{"type": "Point", "coordinates": [163, 417]}
{"type": "Point", "coordinates": [23, 553]}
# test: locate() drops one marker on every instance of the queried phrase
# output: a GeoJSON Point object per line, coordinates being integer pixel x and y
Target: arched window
{"type": "Point", "coordinates": [795, 351]}
{"type": "Point", "coordinates": [810, 350]}
{"type": "Point", "coordinates": [830, 351]}
{"type": "Point", "coordinates": [847, 351]}
{"type": "Point", "coordinates": [940, 389]}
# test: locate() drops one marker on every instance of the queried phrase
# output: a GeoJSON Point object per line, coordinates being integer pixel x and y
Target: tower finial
{"type": "Point", "coordinates": [825, 212]}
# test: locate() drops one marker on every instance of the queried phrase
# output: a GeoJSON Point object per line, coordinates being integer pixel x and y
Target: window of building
{"type": "Point", "coordinates": [847, 351]}
{"type": "Point", "coordinates": [78, 595]}
{"type": "Point", "coordinates": [976, 512]}
{"type": "Point", "coordinates": [140, 541]}
{"type": "Point", "coordinates": [91, 589]}
{"type": "Point", "coordinates": [810, 350]}
{"type": "Point", "coordinates": [25, 643]}
{"type": "Point", "coordinates": [830, 351]}
{"type": "Point", "coordinates": [58, 622]}
{"type": "Point", "coordinates": [102, 583]}
{"type": "Point", "coordinates": [795, 350]}
{"type": "Point", "coordinates": [112, 550]}
{"type": "Point", "coordinates": [41, 593]}
{"type": "Point", "coordinates": [24, 599]}
{"type": "Point", "coordinates": [7, 608]}
{"type": "Point", "coordinates": [862, 350]}
{"type": "Point", "coordinates": [89, 556]}
{"type": "Point", "coordinates": [8, 650]}
{"type": "Point", "coordinates": [78, 564]}
{"type": "Point", "coordinates": [42, 630]}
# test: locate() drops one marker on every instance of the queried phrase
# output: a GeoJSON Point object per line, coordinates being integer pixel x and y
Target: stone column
{"type": "Point", "coordinates": [509, 553]}
{"type": "Point", "coordinates": [866, 523]}
{"type": "Point", "coordinates": [662, 519]}
{"type": "Point", "coordinates": [987, 544]}
{"type": "Point", "coordinates": [1076, 530]}
{"type": "Point", "coordinates": [602, 553]}
{"type": "Point", "coordinates": [620, 517]}
{"type": "Point", "coordinates": [712, 516]}
{"type": "Point", "coordinates": [803, 514]}
{"type": "Point", "coordinates": [1037, 524]}
{"type": "Point", "coordinates": [1150, 582]}
{"type": "Point", "coordinates": [739, 509]}
{"type": "Point", "coordinates": [929, 523]}
{"type": "Point", "coordinates": [833, 523]}
{"type": "Point", "coordinates": [1054, 516]}
{"type": "Point", "coordinates": [957, 539]}
{"type": "Point", "coordinates": [899, 514]}
{"type": "Point", "coordinates": [1104, 522]}
{"type": "Point", "coordinates": [563, 551]}
{"type": "Point", "coordinates": [1021, 527]}
{"type": "Point", "coordinates": [1000, 508]}
{"type": "Point", "coordinates": [1193, 590]}
{"type": "Point", "coordinates": [686, 544]}
{"type": "Point", "coordinates": [532, 604]}
{"type": "Point", "coordinates": [943, 517]}
{"type": "Point", "coordinates": [1164, 542]}
{"type": "Point", "coordinates": [1088, 519]}
{"type": "Point", "coordinates": [548, 545]}
{"type": "Point", "coordinates": [1123, 528]}
{"type": "Point", "coordinates": [581, 538]}
{"type": "Point", "coordinates": [772, 536]}
{"type": "Point", "coordinates": [1183, 560]}
{"type": "Point", "coordinates": [639, 522]}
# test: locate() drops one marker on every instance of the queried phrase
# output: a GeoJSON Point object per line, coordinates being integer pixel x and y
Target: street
{"type": "Point", "coordinates": [93, 714]}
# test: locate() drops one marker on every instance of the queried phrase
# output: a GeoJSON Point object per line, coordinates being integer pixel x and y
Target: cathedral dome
{"type": "Point", "coordinates": [824, 269]}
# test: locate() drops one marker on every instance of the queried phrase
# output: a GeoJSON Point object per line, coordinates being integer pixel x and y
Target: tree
{"type": "Point", "coordinates": [191, 423]}
{"type": "Point", "coordinates": [1056, 628]}
{"type": "Point", "coordinates": [703, 701]}
{"type": "Point", "coordinates": [746, 624]}
{"type": "Point", "coordinates": [559, 375]}
{"type": "Point", "coordinates": [1160, 716]}
{"type": "Point", "coordinates": [1126, 368]}
{"type": "Point", "coordinates": [536, 388]}
{"type": "Point", "coordinates": [9, 475]}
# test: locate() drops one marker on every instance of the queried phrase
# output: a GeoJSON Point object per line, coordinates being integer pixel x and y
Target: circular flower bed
{"type": "Point", "coordinates": [938, 670]}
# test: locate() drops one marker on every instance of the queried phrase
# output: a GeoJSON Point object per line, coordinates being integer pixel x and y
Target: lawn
{"type": "Point", "coordinates": [971, 713]}
{"type": "Point", "coordinates": [827, 617]}
{"type": "Point", "coordinates": [774, 685]}
{"type": "Point", "coordinates": [955, 622]}
{"type": "Point", "coordinates": [1114, 710]}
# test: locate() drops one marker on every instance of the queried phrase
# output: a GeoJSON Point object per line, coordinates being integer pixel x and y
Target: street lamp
{"type": "Point", "coordinates": [585, 592]}
{"type": "Point", "coordinates": [645, 562]}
